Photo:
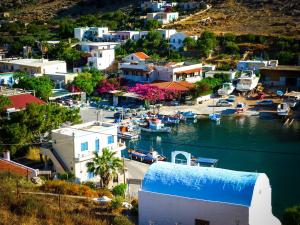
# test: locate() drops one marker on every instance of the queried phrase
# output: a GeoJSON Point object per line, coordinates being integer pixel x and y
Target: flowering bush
{"type": "Point", "coordinates": [153, 93]}
{"type": "Point", "coordinates": [108, 85]}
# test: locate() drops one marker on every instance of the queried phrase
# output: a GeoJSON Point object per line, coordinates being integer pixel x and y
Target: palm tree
{"type": "Point", "coordinates": [105, 165]}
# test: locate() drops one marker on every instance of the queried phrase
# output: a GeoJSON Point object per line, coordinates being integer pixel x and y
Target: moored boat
{"type": "Point", "coordinates": [227, 89]}
{"type": "Point", "coordinates": [147, 157]}
{"type": "Point", "coordinates": [240, 107]}
{"type": "Point", "coordinates": [283, 109]}
{"type": "Point", "coordinates": [215, 116]}
{"type": "Point", "coordinates": [247, 81]}
{"type": "Point", "coordinates": [292, 98]}
{"type": "Point", "coordinates": [155, 125]}
{"type": "Point", "coordinates": [189, 115]}
{"type": "Point", "coordinates": [128, 132]}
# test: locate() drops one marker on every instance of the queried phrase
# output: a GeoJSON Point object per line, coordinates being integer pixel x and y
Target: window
{"type": "Point", "coordinates": [97, 145]}
{"type": "Point", "coordinates": [90, 175]}
{"type": "Point", "coordinates": [110, 139]}
{"type": "Point", "coordinates": [84, 146]}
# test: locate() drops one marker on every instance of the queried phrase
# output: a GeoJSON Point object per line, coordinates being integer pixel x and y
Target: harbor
{"type": "Point", "coordinates": [239, 143]}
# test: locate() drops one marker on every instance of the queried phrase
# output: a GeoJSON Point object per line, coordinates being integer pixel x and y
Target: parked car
{"type": "Point", "coordinates": [265, 102]}
{"type": "Point", "coordinates": [231, 98]}
{"type": "Point", "coordinates": [224, 103]}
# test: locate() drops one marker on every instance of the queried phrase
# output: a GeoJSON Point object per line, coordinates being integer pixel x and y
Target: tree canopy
{"type": "Point", "coordinates": [33, 125]}
{"type": "Point", "coordinates": [88, 80]}
{"type": "Point", "coordinates": [41, 85]}
{"type": "Point", "coordinates": [291, 216]}
{"type": "Point", "coordinates": [4, 101]}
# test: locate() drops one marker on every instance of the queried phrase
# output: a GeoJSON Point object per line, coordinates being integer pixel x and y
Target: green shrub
{"type": "Point", "coordinates": [104, 192]}
{"type": "Point", "coordinates": [122, 220]}
{"type": "Point", "coordinates": [291, 216]}
{"type": "Point", "coordinates": [116, 203]}
{"type": "Point", "coordinates": [135, 207]}
{"type": "Point", "coordinates": [90, 184]}
{"type": "Point", "coordinates": [119, 190]}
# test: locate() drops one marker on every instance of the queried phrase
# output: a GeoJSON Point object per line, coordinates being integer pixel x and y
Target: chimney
{"type": "Point", "coordinates": [6, 155]}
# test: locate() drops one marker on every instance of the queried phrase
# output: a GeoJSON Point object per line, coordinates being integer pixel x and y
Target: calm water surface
{"type": "Point", "coordinates": [246, 144]}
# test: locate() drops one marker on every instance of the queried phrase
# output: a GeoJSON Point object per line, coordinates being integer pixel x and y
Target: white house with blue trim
{"type": "Point", "coordinates": [74, 146]}
{"type": "Point", "coordinates": [180, 194]}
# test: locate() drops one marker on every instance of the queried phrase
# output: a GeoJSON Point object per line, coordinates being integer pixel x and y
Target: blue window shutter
{"type": "Point", "coordinates": [110, 139]}
{"type": "Point", "coordinates": [90, 175]}
{"type": "Point", "coordinates": [97, 145]}
{"type": "Point", "coordinates": [84, 146]}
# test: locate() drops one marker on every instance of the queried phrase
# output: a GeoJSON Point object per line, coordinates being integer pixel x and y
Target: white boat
{"type": "Point", "coordinates": [155, 125]}
{"type": "Point", "coordinates": [283, 109]}
{"type": "Point", "coordinates": [128, 132]}
{"type": "Point", "coordinates": [227, 89]}
{"type": "Point", "coordinates": [292, 98]}
{"type": "Point", "coordinates": [240, 107]}
{"type": "Point", "coordinates": [247, 81]}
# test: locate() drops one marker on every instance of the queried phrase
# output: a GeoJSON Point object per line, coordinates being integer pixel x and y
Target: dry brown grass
{"type": "Point", "coordinates": [236, 18]}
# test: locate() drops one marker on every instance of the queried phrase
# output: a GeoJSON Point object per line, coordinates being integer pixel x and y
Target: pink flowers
{"type": "Point", "coordinates": [153, 93]}
{"type": "Point", "coordinates": [108, 85]}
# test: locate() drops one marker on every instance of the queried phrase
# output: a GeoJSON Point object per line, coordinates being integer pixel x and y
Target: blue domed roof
{"type": "Point", "coordinates": [203, 183]}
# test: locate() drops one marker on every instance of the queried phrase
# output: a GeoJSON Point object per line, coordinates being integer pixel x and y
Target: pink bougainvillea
{"type": "Point", "coordinates": [153, 93]}
{"type": "Point", "coordinates": [73, 88]}
{"type": "Point", "coordinates": [108, 85]}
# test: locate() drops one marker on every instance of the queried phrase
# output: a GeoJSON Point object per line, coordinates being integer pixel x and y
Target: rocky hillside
{"type": "Point", "coordinates": [260, 17]}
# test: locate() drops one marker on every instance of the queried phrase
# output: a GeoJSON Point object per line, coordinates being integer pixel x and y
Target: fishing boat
{"type": "Point", "coordinates": [247, 81]}
{"type": "Point", "coordinates": [169, 119]}
{"type": "Point", "coordinates": [128, 132]}
{"type": "Point", "coordinates": [155, 125]}
{"type": "Point", "coordinates": [227, 89]}
{"type": "Point", "coordinates": [240, 107]}
{"type": "Point", "coordinates": [292, 98]}
{"type": "Point", "coordinates": [215, 116]}
{"type": "Point", "coordinates": [146, 157]}
{"type": "Point", "coordinates": [283, 109]}
{"type": "Point", "coordinates": [189, 115]}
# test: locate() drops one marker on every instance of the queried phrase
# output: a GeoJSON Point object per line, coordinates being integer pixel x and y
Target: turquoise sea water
{"type": "Point", "coordinates": [246, 144]}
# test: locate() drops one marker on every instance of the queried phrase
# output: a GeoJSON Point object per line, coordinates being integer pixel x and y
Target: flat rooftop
{"type": "Point", "coordinates": [84, 128]}
{"type": "Point", "coordinates": [32, 62]}
{"type": "Point", "coordinates": [99, 43]}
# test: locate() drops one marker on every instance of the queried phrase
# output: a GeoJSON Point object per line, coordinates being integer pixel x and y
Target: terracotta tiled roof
{"type": "Point", "coordinates": [141, 55]}
{"type": "Point", "coordinates": [173, 85]}
{"type": "Point", "coordinates": [189, 71]}
{"type": "Point", "coordinates": [16, 168]}
{"type": "Point", "coordinates": [20, 101]}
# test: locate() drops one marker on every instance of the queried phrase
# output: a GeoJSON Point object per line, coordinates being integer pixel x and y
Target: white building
{"type": "Point", "coordinates": [176, 40]}
{"type": "Point", "coordinates": [72, 147]}
{"type": "Point", "coordinates": [157, 6]}
{"type": "Point", "coordinates": [126, 35]}
{"type": "Point", "coordinates": [179, 194]}
{"type": "Point", "coordinates": [102, 54]}
{"type": "Point", "coordinates": [255, 65]}
{"type": "Point", "coordinates": [90, 33]}
{"type": "Point", "coordinates": [166, 33]}
{"type": "Point", "coordinates": [179, 72]}
{"type": "Point", "coordinates": [137, 57]}
{"type": "Point", "coordinates": [163, 17]}
{"type": "Point", "coordinates": [33, 66]}
{"type": "Point", "coordinates": [62, 79]}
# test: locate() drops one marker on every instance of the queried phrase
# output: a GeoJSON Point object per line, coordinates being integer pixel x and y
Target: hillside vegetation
{"type": "Point", "coordinates": [240, 18]}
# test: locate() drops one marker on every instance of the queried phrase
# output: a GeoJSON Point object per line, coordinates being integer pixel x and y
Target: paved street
{"type": "Point", "coordinates": [90, 114]}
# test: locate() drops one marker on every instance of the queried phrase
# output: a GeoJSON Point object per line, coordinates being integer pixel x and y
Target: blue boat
{"type": "Point", "coordinates": [215, 116]}
{"type": "Point", "coordinates": [146, 157]}
{"type": "Point", "coordinates": [189, 115]}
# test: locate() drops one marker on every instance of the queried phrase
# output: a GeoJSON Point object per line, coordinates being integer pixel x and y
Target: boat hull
{"type": "Point", "coordinates": [162, 130]}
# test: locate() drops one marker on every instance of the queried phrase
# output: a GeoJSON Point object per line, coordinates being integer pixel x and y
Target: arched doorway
{"type": "Point", "coordinates": [181, 157]}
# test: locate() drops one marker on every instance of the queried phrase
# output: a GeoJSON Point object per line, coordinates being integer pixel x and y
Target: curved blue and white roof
{"type": "Point", "coordinates": [203, 183]}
